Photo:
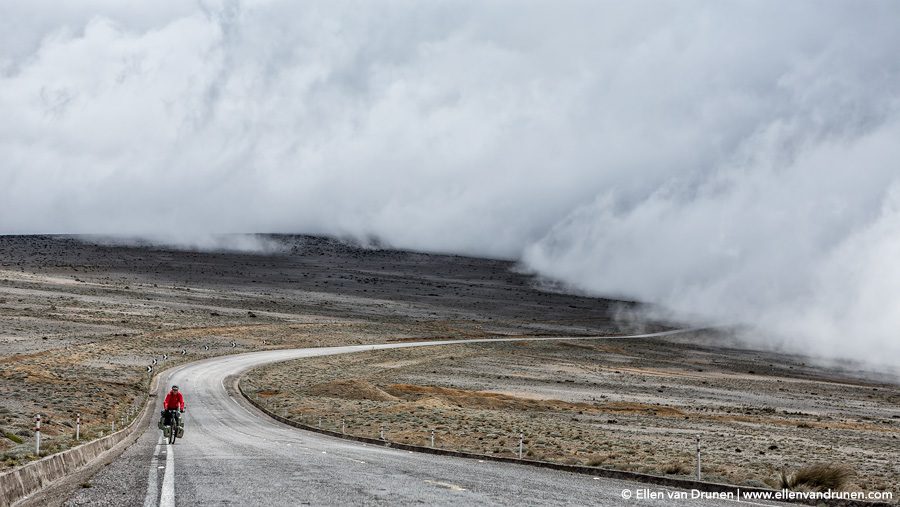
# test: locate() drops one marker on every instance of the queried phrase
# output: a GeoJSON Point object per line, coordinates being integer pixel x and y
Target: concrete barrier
{"type": "Point", "coordinates": [22, 482]}
{"type": "Point", "coordinates": [671, 482]}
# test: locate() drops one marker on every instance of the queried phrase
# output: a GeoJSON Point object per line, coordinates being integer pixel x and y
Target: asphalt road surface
{"type": "Point", "coordinates": [232, 454]}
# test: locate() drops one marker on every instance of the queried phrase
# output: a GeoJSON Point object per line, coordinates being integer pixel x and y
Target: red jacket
{"type": "Point", "coordinates": [174, 401]}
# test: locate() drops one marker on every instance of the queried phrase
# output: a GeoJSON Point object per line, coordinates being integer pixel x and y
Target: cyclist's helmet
{"type": "Point", "coordinates": [174, 388]}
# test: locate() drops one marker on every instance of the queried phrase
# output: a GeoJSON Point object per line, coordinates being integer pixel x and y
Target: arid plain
{"type": "Point", "coordinates": [81, 322]}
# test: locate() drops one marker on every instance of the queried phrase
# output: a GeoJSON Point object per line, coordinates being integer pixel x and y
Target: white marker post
{"type": "Point", "coordinates": [432, 439]}
{"type": "Point", "coordinates": [521, 444]}
{"type": "Point", "coordinates": [382, 432]}
{"type": "Point", "coordinates": [698, 457]}
{"type": "Point", "coordinates": [37, 435]}
{"type": "Point", "coordinates": [320, 422]}
{"type": "Point", "coordinates": [343, 426]}
{"type": "Point", "coordinates": [78, 428]}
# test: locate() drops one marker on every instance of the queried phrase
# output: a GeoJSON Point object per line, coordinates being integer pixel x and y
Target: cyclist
{"type": "Point", "coordinates": [174, 403]}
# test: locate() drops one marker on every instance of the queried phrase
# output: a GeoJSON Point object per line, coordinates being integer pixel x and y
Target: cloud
{"type": "Point", "coordinates": [735, 161]}
{"type": "Point", "coordinates": [239, 243]}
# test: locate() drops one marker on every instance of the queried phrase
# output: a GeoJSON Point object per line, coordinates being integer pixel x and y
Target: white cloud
{"type": "Point", "coordinates": [735, 160]}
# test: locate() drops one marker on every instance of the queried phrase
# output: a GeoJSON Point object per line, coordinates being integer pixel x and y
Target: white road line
{"type": "Point", "coordinates": [167, 495]}
{"type": "Point", "coordinates": [152, 480]}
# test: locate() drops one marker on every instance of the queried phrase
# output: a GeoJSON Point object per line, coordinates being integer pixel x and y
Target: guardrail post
{"type": "Point", "coordinates": [698, 457]}
{"type": "Point", "coordinates": [521, 444]}
{"type": "Point", "coordinates": [37, 435]}
{"type": "Point", "coordinates": [78, 428]}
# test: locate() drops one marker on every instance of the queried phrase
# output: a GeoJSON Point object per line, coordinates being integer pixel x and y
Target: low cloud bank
{"type": "Point", "coordinates": [233, 243]}
{"type": "Point", "coordinates": [733, 161]}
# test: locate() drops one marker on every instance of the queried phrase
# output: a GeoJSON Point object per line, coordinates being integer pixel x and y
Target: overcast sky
{"type": "Point", "coordinates": [738, 161]}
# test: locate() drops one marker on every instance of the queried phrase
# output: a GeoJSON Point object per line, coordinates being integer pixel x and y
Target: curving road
{"type": "Point", "coordinates": [234, 455]}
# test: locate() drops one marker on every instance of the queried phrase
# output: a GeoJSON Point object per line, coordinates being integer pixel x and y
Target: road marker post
{"type": "Point", "coordinates": [320, 421]}
{"type": "Point", "coordinates": [382, 432]}
{"type": "Point", "coordinates": [78, 427]}
{"type": "Point", "coordinates": [343, 426]}
{"type": "Point", "coordinates": [698, 457]}
{"type": "Point", "coordinates": [37, 435]}
{"type": "Point", "coordinates": [432, 438]}
{"type": "Point", "coordinates": [521, 444]}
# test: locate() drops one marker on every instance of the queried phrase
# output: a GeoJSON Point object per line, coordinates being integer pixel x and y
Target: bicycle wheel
{"type": "Point", "coordinates": [173, 431]}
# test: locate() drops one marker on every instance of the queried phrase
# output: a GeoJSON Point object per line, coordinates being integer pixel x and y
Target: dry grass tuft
{"type": "Point", "coordinates": [676, 469]}
{"type": "Point", "coordinates": [819, 477]}
{"type": "Point", "coordinates": [15, 438]}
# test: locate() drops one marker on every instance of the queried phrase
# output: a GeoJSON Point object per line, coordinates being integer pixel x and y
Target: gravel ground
{"type": "Point", "coordinates": [233, 455]}
{"type": "Point", "coordinates": [624, 404]}
{"type": "Point", "coordinates": [80, 322]}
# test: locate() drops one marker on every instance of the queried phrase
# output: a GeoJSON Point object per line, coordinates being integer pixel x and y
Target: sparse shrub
{"type": "Point", "coordinates": [819, 477]}
{"type": "Point", "coordinates": [676, 469]}
{"type": "Point", "coordinates": [15, 438]}
{"type": "Point", "coordinates": [595, 461]}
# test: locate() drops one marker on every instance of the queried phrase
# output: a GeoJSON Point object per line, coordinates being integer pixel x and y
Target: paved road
{"type": "Point", "coordinates": [234, 455]}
